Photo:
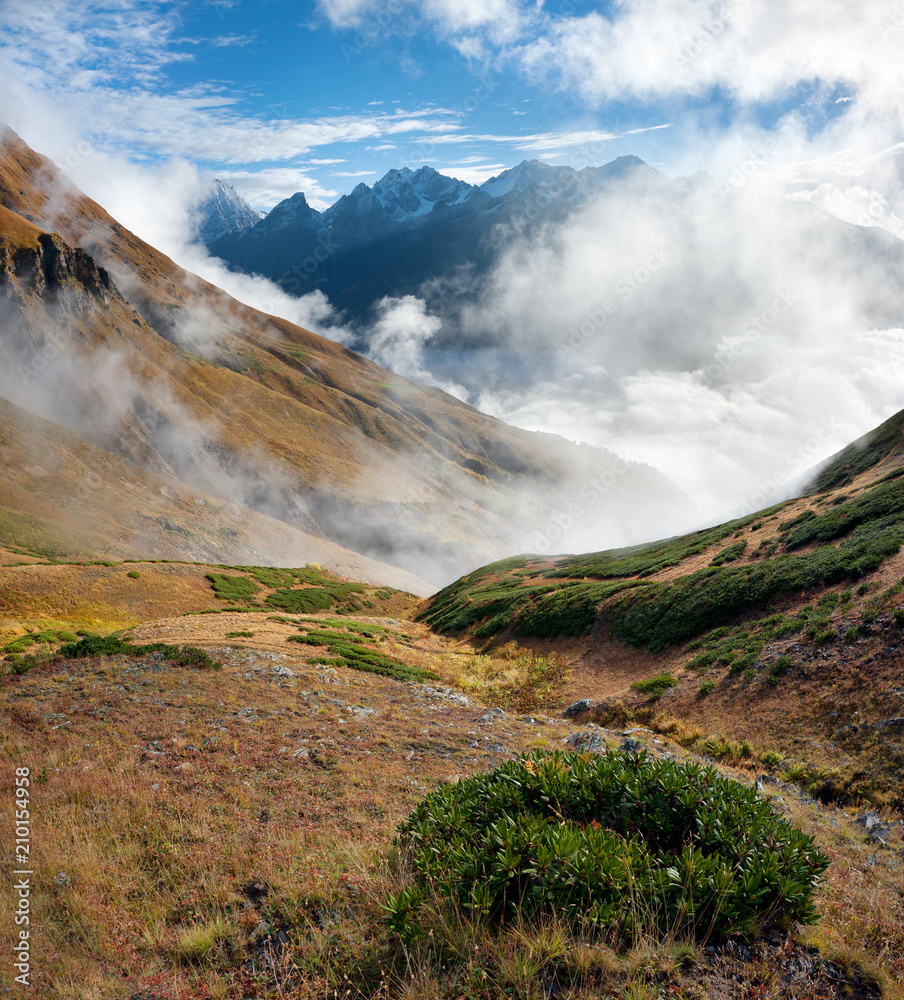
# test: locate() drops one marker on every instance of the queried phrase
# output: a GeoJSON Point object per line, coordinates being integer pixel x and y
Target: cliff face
{"type": "Point", "coordinates": [51, 268]}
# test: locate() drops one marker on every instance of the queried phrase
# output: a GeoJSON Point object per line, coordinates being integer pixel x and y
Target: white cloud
{"type": "Point", "coordinates": [96, 70]}
{"type": "Point", "coordinates": [398, 337]}
{"type": "Point", "coordinates": [499, 19]}
{"type": "Point", "coordinates": [728, 338]}
{"type": "Point", "coordinates": [473, 174]}
{"type": "Point", "coordinates": [753, 50]}
{"type": "Point", "coordinates": [265, 188]}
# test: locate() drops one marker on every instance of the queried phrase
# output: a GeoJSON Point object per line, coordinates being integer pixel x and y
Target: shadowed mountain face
{"type": "Point", "coordinates": [410, 229]}
{"type": "Point", "coordinates": [110, 339]}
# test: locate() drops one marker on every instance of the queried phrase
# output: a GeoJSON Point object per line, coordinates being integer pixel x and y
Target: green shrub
{"type": "Point", "coordinates": [133, 574]}
{"type": "Point", "coordinates": [898, 616]}
{"type": "Point", "coordinates": [22, 664]}
{"type": "Point", "coordinates": [192, 656]}
{"type": "Point", "coordinates": [112, 645]}
{"type": "Point", "coordinates": [301, 601]}
{"type": "Point", "coordinates": [347, 651]}
{"type": "Point", "coordinates": [781, 666]}
{"type": "Point", "coordinates": [655, 687]}
{"type": "Point", "coordinates": [706, 688]}
{"type": "Point", "coordinates": [730, 554]}
{"type": "Point", "coordinates": [232, 588]}
{"type": "Point", "coordinates": [615, 845]}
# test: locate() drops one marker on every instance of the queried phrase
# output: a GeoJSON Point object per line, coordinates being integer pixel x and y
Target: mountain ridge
{"type": "Point", "coordinates": [348, 249]}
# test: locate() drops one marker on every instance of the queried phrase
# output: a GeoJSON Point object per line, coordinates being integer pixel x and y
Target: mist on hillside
{"type": "Point", "coordinates": [716, 339]}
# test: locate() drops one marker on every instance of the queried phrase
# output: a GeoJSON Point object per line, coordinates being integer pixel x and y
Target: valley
{"type": "Point", "coordinates": [218, 781]}
{"type": "Point", "coordinates": [243, 637]}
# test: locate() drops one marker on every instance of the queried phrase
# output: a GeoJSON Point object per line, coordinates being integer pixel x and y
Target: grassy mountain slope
{"type": "Point", "coordinates": [784, 627]}
{"type": "Point", "coordinates": [227, 833]}
{"type": "Point", "coordinates": [162, 368]}
{"type": "Point", "coordinates": [63, 498]}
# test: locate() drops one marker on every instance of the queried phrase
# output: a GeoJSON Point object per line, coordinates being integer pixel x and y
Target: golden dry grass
{"type": "Point", "coordinates": [175, 829]}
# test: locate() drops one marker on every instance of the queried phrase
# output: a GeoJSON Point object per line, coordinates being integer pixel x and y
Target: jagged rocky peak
{"type": "Point", "coordinates": [413, 192]}
{"type": "Point", "coordinates": [224, 212]}
{"type": "Point", "coordinates": [560, 181]}
{"type": "Point", "coordinates": [405, 193]}
{"type": "Point", "coordinates": [528, 174]}
{"type": "Point", "coordinates": [293, 211]}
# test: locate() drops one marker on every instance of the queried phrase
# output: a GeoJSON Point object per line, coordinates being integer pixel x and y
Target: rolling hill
{"type": "Point", "coordinates": [783, 628]}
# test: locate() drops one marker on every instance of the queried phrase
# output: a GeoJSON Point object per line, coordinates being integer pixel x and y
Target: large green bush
{"type": "Point", "coordinates": [617, 845]}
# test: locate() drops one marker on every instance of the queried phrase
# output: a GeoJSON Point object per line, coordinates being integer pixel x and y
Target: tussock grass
{"type": "Point", "coordinates": [514, 678]}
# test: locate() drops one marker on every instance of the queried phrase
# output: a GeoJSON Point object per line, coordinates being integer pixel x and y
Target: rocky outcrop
{"type": "Point", "coordinates": [52, 267]}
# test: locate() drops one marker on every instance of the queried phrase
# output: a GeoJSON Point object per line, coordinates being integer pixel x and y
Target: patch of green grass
{"type": "Point", "coordinates": [240, 634]}
{"type": "Point", "coordinates": [45, 637]}
{"type": "Point", "coordinates": [112, 645]}
{"type": "Point", "coordinates": [348, 651]}
{"type": "Point", "coordinates": [133, 574]}
{"type": "Point", "coordinates": [233, 588]}
{"type": "Point", "coordinates": [655, 687]}
{"type": "Point", "coordinates": [729, 554]}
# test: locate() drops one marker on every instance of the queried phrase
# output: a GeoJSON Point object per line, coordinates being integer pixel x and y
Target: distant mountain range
{"type": "Point", "coordinates": [411, 227]}
{"type": "Point", "coordinates": [514, 266]}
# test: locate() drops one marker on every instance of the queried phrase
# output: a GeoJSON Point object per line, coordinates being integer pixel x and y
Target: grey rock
{"type": "Point", "coordinates": [577, 708]}
{"type": "Point", "coordinates": [447, 694]}
{"type": "Point", "coordinates": [588, 741]}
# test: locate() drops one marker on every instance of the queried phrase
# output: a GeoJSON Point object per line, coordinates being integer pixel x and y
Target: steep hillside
{"type": "Point", "coordinates": [109, 338]}
{"type": "Point", "coordinates": [63, 498]}
{"type": "Point", "coordinates": [783, 628]}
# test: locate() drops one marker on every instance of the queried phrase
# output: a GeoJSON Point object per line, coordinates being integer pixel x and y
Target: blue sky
{"type": "Point", "coordinates": [282, 95]}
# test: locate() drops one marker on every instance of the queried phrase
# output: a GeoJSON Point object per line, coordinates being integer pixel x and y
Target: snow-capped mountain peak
{"type": "Point", "coordinates": [224, 212]}
{"type": "Point", "coordinates": [406, 193]}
